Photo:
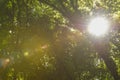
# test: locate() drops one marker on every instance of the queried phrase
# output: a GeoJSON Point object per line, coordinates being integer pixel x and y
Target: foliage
{"type": "Point", "coordinates": [45, 40]}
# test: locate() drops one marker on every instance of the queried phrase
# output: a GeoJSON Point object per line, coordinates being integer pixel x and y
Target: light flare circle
{"type": "Point", "coordinates": [98, 26]}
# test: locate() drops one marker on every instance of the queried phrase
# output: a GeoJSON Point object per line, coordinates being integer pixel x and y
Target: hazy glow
{"type": "Point", "coordinates": [72, 30]}
{"type": "Point", "coordinates": [10, 31]}
{"type": "Point", "coordinates": [44, 46]}
{"type": "Point", "coordinates": [98, 26]}
{"type": "Point", "coordinates": [26, 54]}
{"type": "Point", "coordinates": [7, 60]}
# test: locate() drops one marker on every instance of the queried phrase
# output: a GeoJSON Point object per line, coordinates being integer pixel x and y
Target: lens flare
{"type": "Point", "coordinates": [98, 26]}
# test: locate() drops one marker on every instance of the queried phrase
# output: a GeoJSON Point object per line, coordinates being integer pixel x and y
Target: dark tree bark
{"type": "Point", "coordinates": [110, 65]}
{"type": "Point", "coordinates": [102, 48]}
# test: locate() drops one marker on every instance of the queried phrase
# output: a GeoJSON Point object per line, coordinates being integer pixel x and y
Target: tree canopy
{"type": "Point", "coordinates": [47, 40]}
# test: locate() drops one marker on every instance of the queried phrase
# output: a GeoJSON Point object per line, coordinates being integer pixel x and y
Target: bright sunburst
{"type": "Point", "coordinates": [98, 26]}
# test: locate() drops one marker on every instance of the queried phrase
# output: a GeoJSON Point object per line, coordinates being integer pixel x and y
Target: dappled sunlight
{"type": "Point", "coordinates": [72, 30]}
{"type": "Point", "coordinates": [44, 46]}
{"type": "Point", "coordinates": [54, 39]}
{"type": "Point", "coordinates": [26, 53]}
{"type": "Point", "coordinates": [10, 31]}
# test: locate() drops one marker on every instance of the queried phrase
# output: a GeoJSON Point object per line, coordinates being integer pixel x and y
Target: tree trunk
{"type": "Point", "coordinates": [102, 48]}
{"type": "Point", "coordinates": [110, 65]}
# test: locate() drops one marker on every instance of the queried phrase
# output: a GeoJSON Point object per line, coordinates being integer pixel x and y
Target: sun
{"type": "Point", "coordinates": [98, 26]}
